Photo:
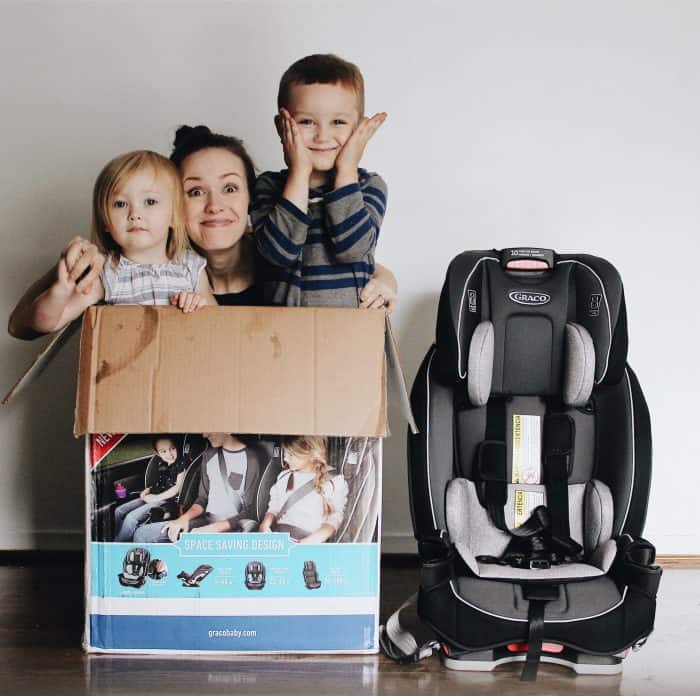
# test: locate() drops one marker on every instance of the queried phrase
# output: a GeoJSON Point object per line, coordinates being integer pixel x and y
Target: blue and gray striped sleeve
{"type": "Point", "coordinates": [354, 215]}
{"type": "Point", "coordinates": [279, 227]}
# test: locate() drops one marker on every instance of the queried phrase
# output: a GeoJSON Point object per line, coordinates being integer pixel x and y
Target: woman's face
{"type": "Point", "coordinates": [216, 198]}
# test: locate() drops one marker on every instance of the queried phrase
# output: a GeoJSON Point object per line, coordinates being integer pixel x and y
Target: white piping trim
{"type": "Point", "coordinates": [607, 305]}
{"type": "Point", "coordinates": [461, 307]}
{"type": "Point", "coordinates": [427, 436]}
{"type": "Point", "coordinates": [510, 618]}
{"type": "Point", "coordinates": [629, 500]}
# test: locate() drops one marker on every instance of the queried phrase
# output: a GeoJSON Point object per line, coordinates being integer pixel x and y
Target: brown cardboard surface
{"type": "Point", "coordinates": [310, 371]}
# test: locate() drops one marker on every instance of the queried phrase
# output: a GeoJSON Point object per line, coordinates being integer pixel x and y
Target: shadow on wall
{"type": "Point", "coordinates": [49, 460]}
{"type": "Point", "coordinates": [417, 334]}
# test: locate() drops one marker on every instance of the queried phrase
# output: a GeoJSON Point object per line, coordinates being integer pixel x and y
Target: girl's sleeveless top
{"type": "Point", "coordinates": [127, 282]}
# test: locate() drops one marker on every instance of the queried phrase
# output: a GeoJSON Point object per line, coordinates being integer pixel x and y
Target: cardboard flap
{"type": "Point", "coordinates": [310, 371]}
{"type": "Point", "coordinates": [396, 377]}
{"type": "Point", "coordinates": [44, 357]}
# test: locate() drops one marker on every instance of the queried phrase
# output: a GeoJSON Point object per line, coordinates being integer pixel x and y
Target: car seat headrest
{"type": "Point", "coordinates": [557, 324]}
{"type": "Point", "coordinates": [579, 365]}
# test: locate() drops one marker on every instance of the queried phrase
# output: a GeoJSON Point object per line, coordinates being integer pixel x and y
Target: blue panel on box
{"type": "Point", "coordinates": [232, 633]}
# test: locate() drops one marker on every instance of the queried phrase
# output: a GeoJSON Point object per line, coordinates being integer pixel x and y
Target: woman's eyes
{"type": "Point", "coordinates": [339, 122]}
{"type": "Point", "coordinates": [197, 192]}
{"type": "Point", "coordinates": [119, 204]}
{"type": "Point", "coordinates": [151, 201]}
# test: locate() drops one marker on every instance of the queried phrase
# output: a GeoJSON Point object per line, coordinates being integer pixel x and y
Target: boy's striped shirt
{"type": "Point", "coordinates": [325, 257]}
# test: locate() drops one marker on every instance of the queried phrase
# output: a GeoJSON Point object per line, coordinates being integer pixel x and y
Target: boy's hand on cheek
{"type": "Point", "coordinates": [351, 153]}
{"type": "Point", "coordinates": [295, 153]}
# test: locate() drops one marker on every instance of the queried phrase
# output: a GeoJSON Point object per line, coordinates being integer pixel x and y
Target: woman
{"type": "Point", "coordinates": [218, 177]}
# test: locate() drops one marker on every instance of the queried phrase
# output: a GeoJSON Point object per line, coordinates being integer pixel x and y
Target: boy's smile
{"type": "Point", "coordinates": [327, 115]}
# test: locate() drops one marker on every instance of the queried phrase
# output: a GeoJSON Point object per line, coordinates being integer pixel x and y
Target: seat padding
{"type": "Point", "coordinates": [577, 600]}
{"type": "Point", "coordinates": [579, 365]}
{"type": "Point", "coordinates": [480, 364]}
{"type": "Point", "coordinates": [474, 534]}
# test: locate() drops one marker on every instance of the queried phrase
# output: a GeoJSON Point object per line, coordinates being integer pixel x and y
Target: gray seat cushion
{"type": "Point", "coordinates": [577, 600]}
{"type": "Point", "coordinates": [474, 534]}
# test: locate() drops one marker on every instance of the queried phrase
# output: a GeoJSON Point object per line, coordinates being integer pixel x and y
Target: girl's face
{"type": "Point", "coordinates": [166, 450]}
{"type": "Point", "coordinates": [140, 215]}
{"type": "Point", "coordinates": [216, 198]}
{"type": "Point", "coordinates": [297, 463]}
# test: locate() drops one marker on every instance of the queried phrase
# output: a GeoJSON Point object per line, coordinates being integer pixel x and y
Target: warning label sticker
{"type": "Point", "coordinates": [526, 449]}
{"type": "Point", "coordinates": [525, 503]}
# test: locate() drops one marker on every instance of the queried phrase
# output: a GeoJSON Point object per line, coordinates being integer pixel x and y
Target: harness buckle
{"type": "Point", "coordinates": [540, 564]}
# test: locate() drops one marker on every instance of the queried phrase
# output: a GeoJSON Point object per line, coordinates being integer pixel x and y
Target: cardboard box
{"type": "Point", "coordinates": [245, 371]}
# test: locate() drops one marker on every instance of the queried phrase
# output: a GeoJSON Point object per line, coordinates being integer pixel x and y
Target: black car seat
{"type": "Point", "coordinates": [529, 479]}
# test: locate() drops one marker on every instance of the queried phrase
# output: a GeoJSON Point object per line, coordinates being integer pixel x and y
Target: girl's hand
{"type": "Point", "coordinates": [378, 295]}
{"type": "Point", "coordinates": [265, 528]}
{"type": "Point", "coordinates": [351, 153]}
{"type": "Point", "coordinates": [295, 153]}
{"type": "Point", "coordinates": [188, 301]}
{"type": "Point", "coordinates": [150, 498]}
{"type": "Point", "coordinates": [83, 263]}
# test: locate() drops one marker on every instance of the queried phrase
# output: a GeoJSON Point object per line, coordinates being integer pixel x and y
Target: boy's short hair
{"type": "Point", "coordinates": [325, 69]}
{"type": "Point", "coordinates": [109, 178]}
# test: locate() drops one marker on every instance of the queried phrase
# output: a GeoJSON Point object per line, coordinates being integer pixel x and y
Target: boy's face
{"type": "Point", "coordinates": [326, 115]}
{"type": "Point", "coordinates": [166, 450]}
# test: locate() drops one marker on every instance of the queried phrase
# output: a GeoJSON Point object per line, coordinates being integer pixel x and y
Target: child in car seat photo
{"type": "Point", "coordinates": [306, 501]}
{"type": "Point", "coordinates": [169, 476]}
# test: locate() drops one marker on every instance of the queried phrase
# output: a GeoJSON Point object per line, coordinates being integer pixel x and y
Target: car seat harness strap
{"type": "Point", "coordinates": [559, 435]}
{"type": "Point", "coordinates": [537, 596]}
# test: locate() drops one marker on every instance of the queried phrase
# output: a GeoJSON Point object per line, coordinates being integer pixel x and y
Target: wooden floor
{"type": "Point", "coordinates": [41, 619]}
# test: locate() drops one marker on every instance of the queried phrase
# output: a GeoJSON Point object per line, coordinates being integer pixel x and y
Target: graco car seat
{"type": "Point", "coordinates": [530, 476]}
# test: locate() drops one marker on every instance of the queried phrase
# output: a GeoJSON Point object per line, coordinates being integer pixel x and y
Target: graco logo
{"type": "Point", "coordinates": [529, 298]}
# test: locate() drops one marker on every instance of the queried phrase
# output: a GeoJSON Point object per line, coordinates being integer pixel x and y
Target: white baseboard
{"type": "Point", "coordinates": [45, 540]}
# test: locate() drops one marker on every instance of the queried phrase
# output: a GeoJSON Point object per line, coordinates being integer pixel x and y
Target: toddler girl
{"type": "Point", "coordinates": [138, 223]}
{"type": "Point", "coordinates": [168, 482]}
{"type": "Point", "coordinates": [306, 501]}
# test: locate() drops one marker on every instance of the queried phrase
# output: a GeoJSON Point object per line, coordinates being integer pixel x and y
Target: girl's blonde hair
{"type": "Point", "coordinates": [314, 450]}
{"type": "Point", "coordinates": [107, 181]}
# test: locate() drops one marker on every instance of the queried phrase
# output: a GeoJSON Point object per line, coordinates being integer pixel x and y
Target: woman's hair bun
{"type": "Point", "coordinates": [189, 134]}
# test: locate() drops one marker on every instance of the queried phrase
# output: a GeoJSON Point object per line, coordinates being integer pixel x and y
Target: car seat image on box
{"type": "Point", "coordinates": [529, 479]}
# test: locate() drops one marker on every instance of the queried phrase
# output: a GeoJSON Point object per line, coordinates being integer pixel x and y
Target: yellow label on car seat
{"type": "Point", "coordinates": [525, 502]}
{"type": "Point", "coordinates": [526, 449]}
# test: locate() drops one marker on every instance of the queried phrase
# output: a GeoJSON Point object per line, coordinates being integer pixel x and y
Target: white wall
{"type": "Point", "coordinates": [558, 124]}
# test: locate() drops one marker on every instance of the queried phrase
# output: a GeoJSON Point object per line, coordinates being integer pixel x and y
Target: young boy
{"type": "Point", "coordinates": [317, 223]}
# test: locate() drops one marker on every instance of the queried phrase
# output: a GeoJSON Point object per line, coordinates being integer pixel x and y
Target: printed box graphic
{"type": "Point", "coordinates": [231, 591]}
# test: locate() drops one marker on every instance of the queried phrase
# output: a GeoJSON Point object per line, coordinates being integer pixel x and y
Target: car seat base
{"type": "Point", "coordinates": [488, 660]}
